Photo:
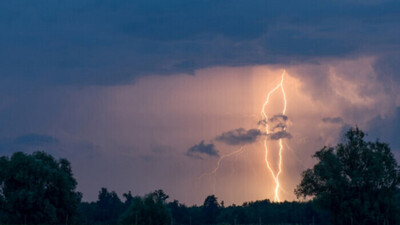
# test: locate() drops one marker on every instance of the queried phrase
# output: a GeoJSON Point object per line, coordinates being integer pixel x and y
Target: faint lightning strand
{"type": "Point", "coordinates": [215, 170]}
{"type": "Point", "coordinates": [264, 114]}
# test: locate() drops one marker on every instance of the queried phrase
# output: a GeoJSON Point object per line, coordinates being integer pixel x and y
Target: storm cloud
{"type": "Point", "coordinates": [28, 143]}
{"type": "Point", "coordinates": [275, 119]}
{"type": "Point", "coordinates": [108, 43]}
{"type": "Point", "coordinates": [279, 117]}
{"type": "Point", "coordinates": [387, 129]}
{"type": "Point", "coordinates": [239, 136]}
{"type": "Point", "coordinates": [279, 135]}
{"type": "Point", "coordinates": [199, 150]}
{"type": "Point", "coordinates": [35, 140]}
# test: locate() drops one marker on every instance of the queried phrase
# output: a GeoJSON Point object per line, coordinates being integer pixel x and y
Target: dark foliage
{"type": "Point", "coordinates": [356, 181]}
{"type": "Point", "coordinates": [179, 212]}
{"type": "Point", "coordinates": [106, 210]}
{"type": "Point", "coordinates": [259, 212]}
{"type": "Point", "coordinates": [108, 207]}
{"type": "Point", "coordinates": [210, 210]}
{"type": "Point", "coordinates": [37, 189]}
{"type": "Point", "coordinates": [150, 210]}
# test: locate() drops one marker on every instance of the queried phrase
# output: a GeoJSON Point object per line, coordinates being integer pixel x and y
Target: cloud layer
{"type": "Point", "coordinates": [199, 150]}
{"type": "Point", "coordinates": [279, 135]}
{"type": "Point", "coordinates": [239, 136]}
{"type": "Point", "coordinates": [98, 42]}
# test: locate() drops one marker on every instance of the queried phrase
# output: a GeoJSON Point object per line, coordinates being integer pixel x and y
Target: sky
{"type": "Point", "coordinates": [145, 95]}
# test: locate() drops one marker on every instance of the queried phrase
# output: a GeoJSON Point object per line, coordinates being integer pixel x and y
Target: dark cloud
{"type": "Point", "coordinates": [111, 42]}
{"type": "Point", "coordinates": [239, 136]}
{"type": "Point", "coordinates": [262, 122]}
{"type": "Point", "coordinates": [278, 117]}
{"type": "Point", "coordinates": [28, 143]}
{"type": "Point", "coordinates": [388, 67]}
{"type": "Point", "coordinates": [277, 122]}
{"type": "Point", "coordinates": [281, 126]}
{"type": "Point", "coordinates": [279, 135]}
{"type": "Point", "coordinates": [386, 129]}
{"type": "Point", "coordinates": [197, 151]}
{"type": "Point", "coordinates": [35, 140]}
{"type": "Point", "coordinates": [275, 119]}
{"type": "Point", "coordinates": [334, 120]}
{"type": "Point", "coordinates": [41, 142]}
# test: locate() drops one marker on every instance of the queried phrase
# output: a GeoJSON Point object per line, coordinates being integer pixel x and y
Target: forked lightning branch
{"type": "Point", "coordinates": [275, 174]}
{"type": "Point", "coordinates": [269, 134]}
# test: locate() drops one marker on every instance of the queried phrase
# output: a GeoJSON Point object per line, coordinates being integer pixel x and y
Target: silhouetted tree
{"type": "Point", "coordinates": [108, 207]}
{"type": "Point", "coordinates": [128, 199]}
{"type": "Point", "coordinates": [87, 213]}
{"type": "Point", "coordinates": [355, 180]}
{"type": "Point", "coordinates": [179, 212]}
{"type": "Point", "coordinates": [210, 209]}
{"type": "Point", "coordinates": [37, 189]}
{"type": "Point", "coordinates": [159, 196]}
{"type": "Point", "coordinates": [150, 210]}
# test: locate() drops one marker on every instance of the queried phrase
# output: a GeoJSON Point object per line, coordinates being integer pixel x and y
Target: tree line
{"type": "Point", "coordinates": [354, 182]}
{"type": "Point", "coordinates": [155, 209]}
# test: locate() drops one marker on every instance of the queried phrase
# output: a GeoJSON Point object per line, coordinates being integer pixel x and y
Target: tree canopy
{"type": "Point", "coordinates": [356, 181]}
{"type": "Point", "coordinates": [210, 209]}
{"type": "Point", "coordinates": [149, 210]}
{"type": "Point", "coordinates": [37, 189]}
{"type": "Point", "coordinates": [108, 207]}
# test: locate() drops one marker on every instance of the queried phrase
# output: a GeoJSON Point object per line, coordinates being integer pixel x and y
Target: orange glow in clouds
{"type": "Point", "coordinates": [275, 176]}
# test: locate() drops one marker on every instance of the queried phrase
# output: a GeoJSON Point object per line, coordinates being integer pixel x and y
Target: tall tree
{"type": "Point", "coordinates": [128, 199]}
{"type": "Point", "coordinates": [37, 189]}
{"type": "Point", "coordinates": [210, 209]}
{"type": "Point", "coordinates": [356, 181]}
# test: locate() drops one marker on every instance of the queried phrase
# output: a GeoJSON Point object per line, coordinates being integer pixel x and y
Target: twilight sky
{"type": "Point", "coordinates": [143, 95]}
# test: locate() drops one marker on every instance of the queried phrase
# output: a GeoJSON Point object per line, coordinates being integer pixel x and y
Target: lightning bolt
{"type": "Point", "coordinates": [215, 170]}
{"type": "Point", "coordinates": [275, 176]}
